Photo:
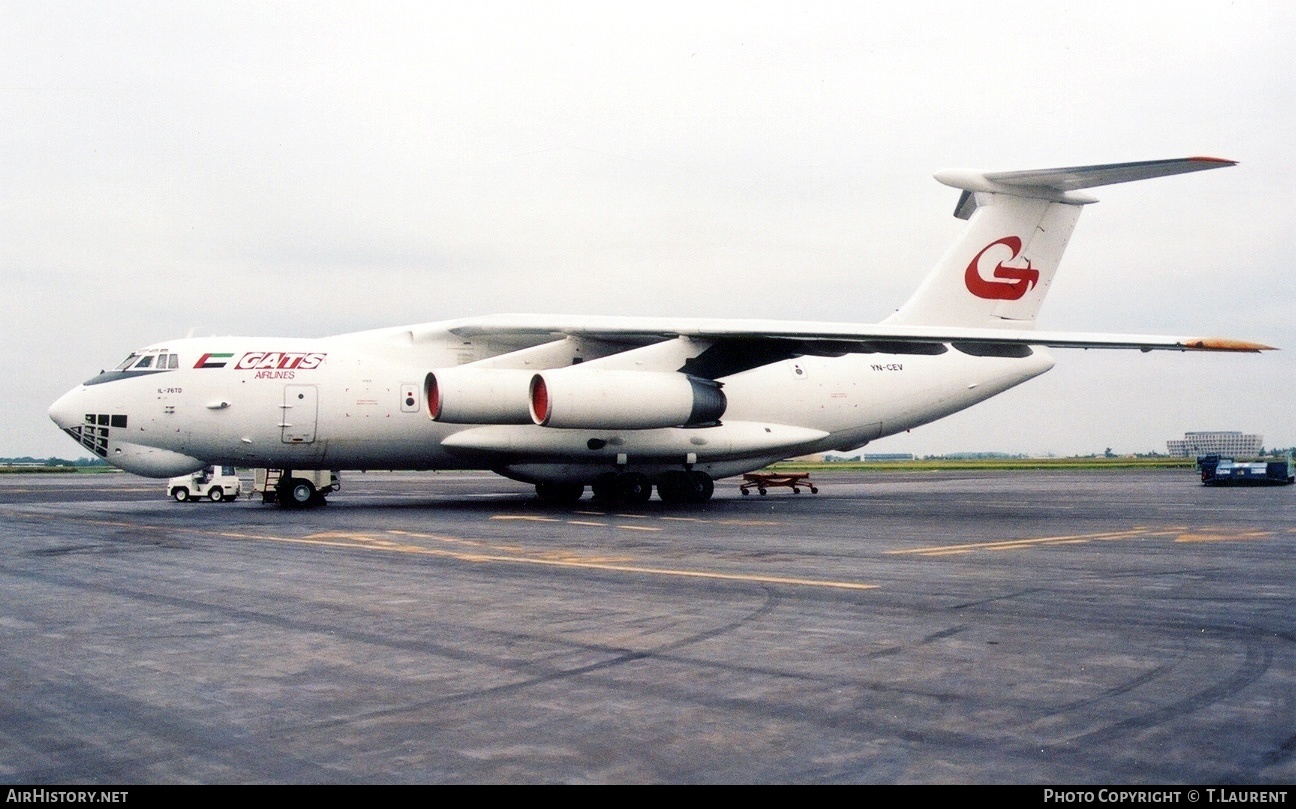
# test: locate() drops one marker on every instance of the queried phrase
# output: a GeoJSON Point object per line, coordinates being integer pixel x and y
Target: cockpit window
{"type": "Point", "coordinates": [126, 363]}
{"type": "Point", "coordinates": [140, 363]}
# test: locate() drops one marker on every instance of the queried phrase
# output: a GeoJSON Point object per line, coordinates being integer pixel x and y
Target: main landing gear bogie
{"type": "Point", "coordinates": [685, 487]}
{"type": "Point", "coordinates": [560, 493]}
{"type": "Point", "coordinates": [635, 488]}
{"type": "Point", "coordinates": [299, 493]}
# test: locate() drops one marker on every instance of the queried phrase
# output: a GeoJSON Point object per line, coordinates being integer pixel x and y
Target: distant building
{"type": "Point", "coordinates": [1223, 442]}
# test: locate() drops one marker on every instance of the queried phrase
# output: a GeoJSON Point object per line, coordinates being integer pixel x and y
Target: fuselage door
{"type": "Point", "coordinates": [300, 410]}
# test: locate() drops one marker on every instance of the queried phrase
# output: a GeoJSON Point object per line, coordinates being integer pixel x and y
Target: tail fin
{"type": "Point", "coordinates": [1019, 223]}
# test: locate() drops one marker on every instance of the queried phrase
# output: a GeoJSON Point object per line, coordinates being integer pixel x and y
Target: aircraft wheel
{"type": "Point", "coordinates": [564, 493]}
{"type": "Point", "coordinates": [216, 494]}
{"type": "Point", "coordinates": [635, 487]}
{"type": "Point", "coordinates": [181, 494]}
{"type": "Point", "coordinates": [605, 487]}
{"type": "Point", "coordinates": [672, 487]}
{"type": "Point", "coordinates": [701, 487]}
{"type": "Point", "coordinates": [297, 493]}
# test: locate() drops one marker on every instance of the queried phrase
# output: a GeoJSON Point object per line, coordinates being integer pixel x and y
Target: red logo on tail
{"type": "Point", "coordinates": [1015, 281]}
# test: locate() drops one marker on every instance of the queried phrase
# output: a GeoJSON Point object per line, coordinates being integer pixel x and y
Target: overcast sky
{"type": "Point", "coordinates": [314, 168]}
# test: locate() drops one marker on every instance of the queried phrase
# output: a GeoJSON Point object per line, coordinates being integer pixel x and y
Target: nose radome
{"type": "Point", "coordinates": [65, 412]}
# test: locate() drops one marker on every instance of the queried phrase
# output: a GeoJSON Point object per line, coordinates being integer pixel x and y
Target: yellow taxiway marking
{"type": "Point", "coordinates": [558, 559]}
{"type": "Point", "coordinates": [358, 540]}
{"type": "Point", "coordinates": [517, 549]}
{"type": "Point", "coordinates": [1019, 544]}
{"type": "Point", "coordinates": [592, 524]}
{"type": "Point", "coordinates": [1223, 537]}
{"type": "Point", "coordinates": [745, 523]}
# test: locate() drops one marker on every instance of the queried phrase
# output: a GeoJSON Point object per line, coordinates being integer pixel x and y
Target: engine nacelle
{"type": "Point", "coordinates": [479, 395]}
{"type": "Point", "coordinates": [626, 400]}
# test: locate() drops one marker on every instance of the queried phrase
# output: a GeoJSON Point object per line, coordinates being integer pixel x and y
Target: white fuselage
{"type": "Point", "coordinates": [359, 401]}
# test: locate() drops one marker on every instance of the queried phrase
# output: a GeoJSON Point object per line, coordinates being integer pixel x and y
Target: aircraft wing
{"type": "Point", "coordinates": [850, 337]}
{"type": "Point", "coordinates": [731, 346]}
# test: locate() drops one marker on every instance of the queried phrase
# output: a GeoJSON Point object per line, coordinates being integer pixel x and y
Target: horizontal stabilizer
{"type": "Point", "coordinates": [1071, 179]}
{"type": "Point", "coordinates": [1058, 184]}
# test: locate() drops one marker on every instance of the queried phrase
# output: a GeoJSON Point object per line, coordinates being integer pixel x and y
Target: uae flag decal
{"type": "Point", "coordinates": [212, 360]}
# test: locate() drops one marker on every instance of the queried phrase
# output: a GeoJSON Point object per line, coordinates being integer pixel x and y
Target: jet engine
{"type": "Point", "coordinates": [628, 400]}
{"type": "Point", "coordinates": [478, 395]}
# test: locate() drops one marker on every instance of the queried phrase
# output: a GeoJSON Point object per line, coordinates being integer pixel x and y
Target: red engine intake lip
{"type": "Point", "coordinates": [433, 396]}
{"type": "Point", "coordinates": [540, 410]}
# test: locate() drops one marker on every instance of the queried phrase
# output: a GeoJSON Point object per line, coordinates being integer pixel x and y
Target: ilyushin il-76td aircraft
{"type": "Point", "coordinates": [619, 404]}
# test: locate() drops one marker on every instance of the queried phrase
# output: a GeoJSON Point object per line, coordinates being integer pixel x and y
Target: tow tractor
{"type": "Point", "coordinates": [216, 483]}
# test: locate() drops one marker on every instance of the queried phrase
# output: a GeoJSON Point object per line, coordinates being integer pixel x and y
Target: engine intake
{"type": "Point", "coordinates": [627, 400]}
{"type": "Point", "coordinates": [478, 395]}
